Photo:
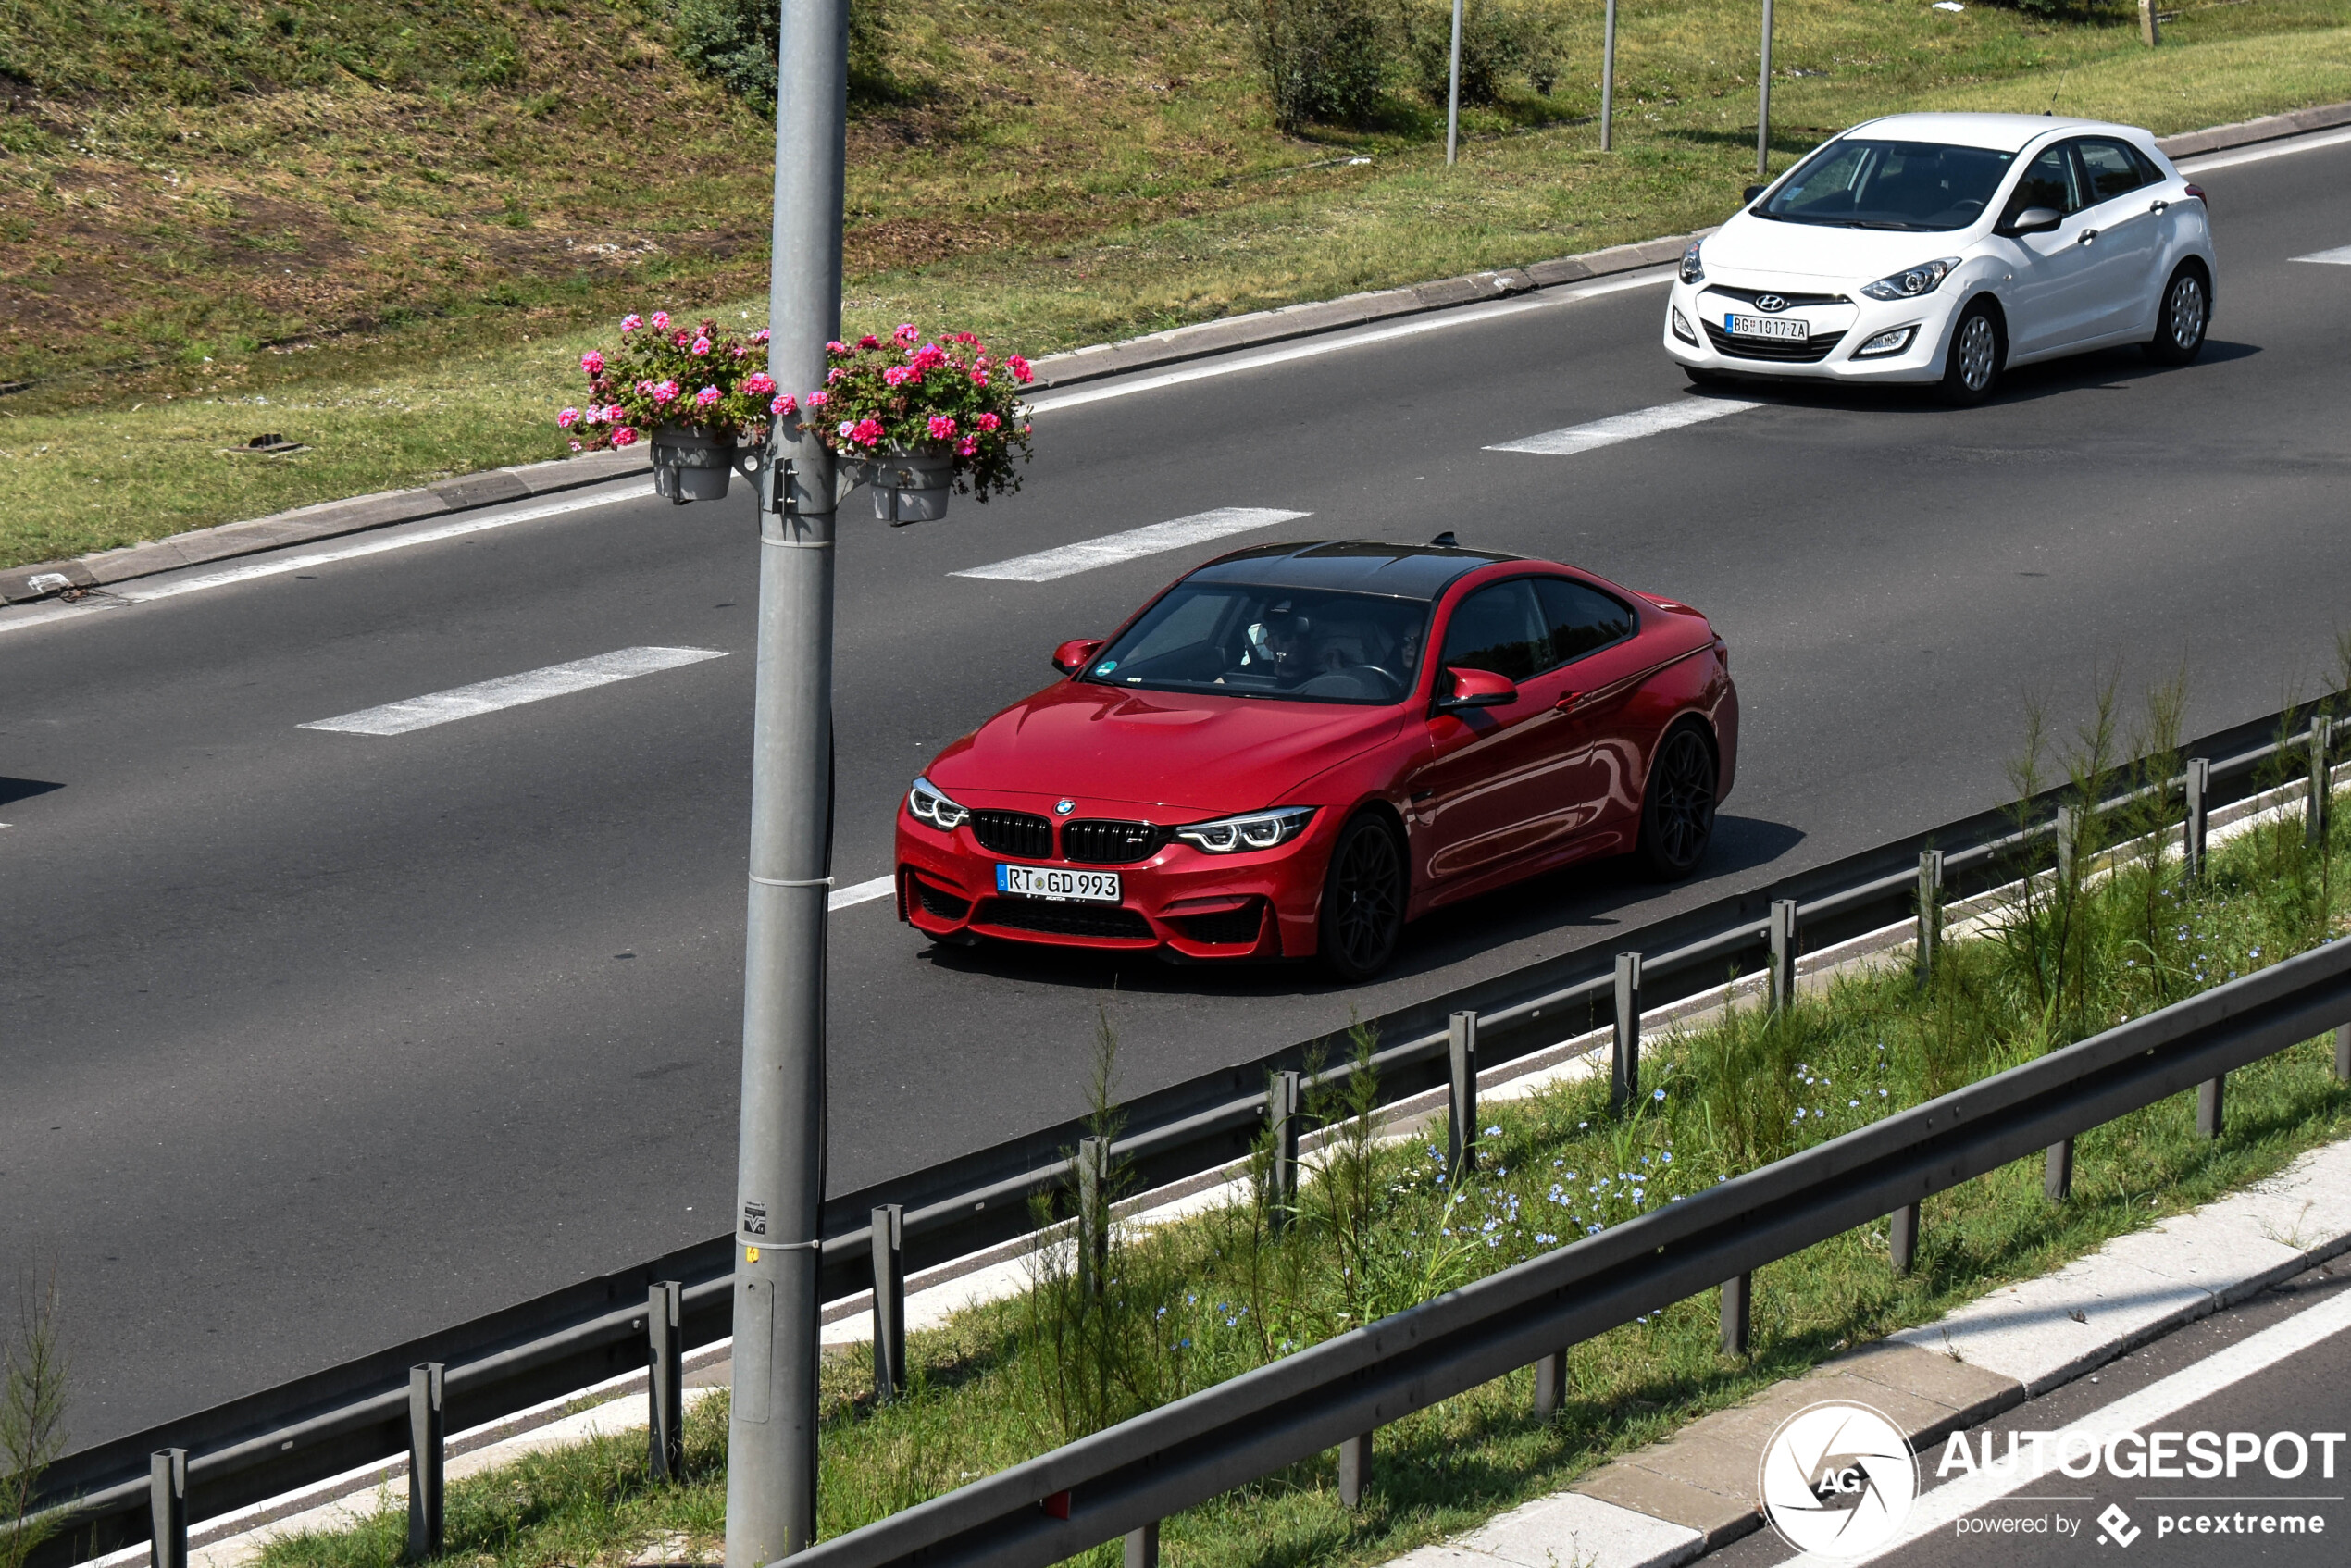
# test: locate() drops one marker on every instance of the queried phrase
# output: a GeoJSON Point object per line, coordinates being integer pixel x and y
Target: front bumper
{"type": "Point", "coordinates": [1839, 331]}
{"type": "Point", "coordinates": [1179, 901]}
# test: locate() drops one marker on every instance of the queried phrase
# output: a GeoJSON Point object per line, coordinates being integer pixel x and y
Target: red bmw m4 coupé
{"type": "Point", "coordinates": [1298, 747]}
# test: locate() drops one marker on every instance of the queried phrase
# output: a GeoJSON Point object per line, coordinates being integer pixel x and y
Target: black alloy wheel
{"type": "Point", "coordinates": [2180, 324]}
{"type": "Point", "coordinates": [1364, 896]}
{"type": "Point", "coordinates": [1677, 815]}
{"type": "Point", "coordinates": [1971, 367]}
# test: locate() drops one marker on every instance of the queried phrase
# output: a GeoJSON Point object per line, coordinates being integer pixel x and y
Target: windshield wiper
{"type": "Point", "coordinates": [1869, 223]}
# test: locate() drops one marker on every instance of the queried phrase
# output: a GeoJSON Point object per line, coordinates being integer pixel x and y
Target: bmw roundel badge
{"type": "Point", "coordinates": [1063, 808]}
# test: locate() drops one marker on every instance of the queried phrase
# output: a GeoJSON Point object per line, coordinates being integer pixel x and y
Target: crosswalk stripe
{"type": "Point", "coordinates": [511, 691]}
{"type": "Point", "coordinates": [2339, 256]}
{"type": "Point", "coordinates": [1626, 427]}
{"type": "Point", "coordinates": [1067, 560]}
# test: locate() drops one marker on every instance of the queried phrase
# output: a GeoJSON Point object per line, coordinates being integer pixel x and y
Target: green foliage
{"type": "Point", "coordinates": [1324, 60]}
{"type": "Point", "coordinates": [32, 1415]}
{"type": "Point", "coordinates": [1499, 38]}
{"type": "Point", "coordinates": [733, 42]}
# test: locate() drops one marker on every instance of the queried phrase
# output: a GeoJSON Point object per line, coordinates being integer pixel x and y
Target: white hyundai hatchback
{"type": "Point", "coordinates": [1947, 247]}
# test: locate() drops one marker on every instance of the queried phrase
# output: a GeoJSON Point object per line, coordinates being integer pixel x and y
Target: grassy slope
{"type": "Point", "coordinates": [224, 217]}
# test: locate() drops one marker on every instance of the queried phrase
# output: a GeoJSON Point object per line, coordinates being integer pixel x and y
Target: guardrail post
{"type": "Point", "coordinates": [2192, 829]}
{"type": "Point", "coordinates": [1281, 1098]}
{"type": "Point", "coordinates": [1142, 1547]}
{"type": "Point", "coordinates": [2211, 1106]}
{"type": "Point", "coordinates": [2057, 1171]}
{"type": "Point", "coordinates": [2069, 830]}
{"type": "Point", "coordinates": [889, 1301]}
{"type": "Point", "coordinates": [1902, 1238]}
{"type": "Point", "coordinates": [1783, 976]}
{"type": "Point", "coordinates": [1624, 1066]}
{"type": "Point", "coordinates": [1550, 1384]}
{"type": "Point", "coordinates": [2314, 814]}
{"type": "Point", "coordinates": [426, 1451]}
{"type": "Point", "coordinates": [1093, 1225]}
{"type": "Point", "coordinates": [1354, 1470]}
{"type": "Point", "coordinates": [167, 1506]}
{"type": "Point", "coordinates": [1930, 935]}
{"type": "Point", "coordinates": [665, 1381]}
{"type": "Point", "coordinates": [2150, 30]}
{"type": "Point", "coordinates": [2343, 1053]}
{"type": "Point", "coordinates": [1461, 1143]}
{"type": "Point", "coordinates": [1738, 1317]}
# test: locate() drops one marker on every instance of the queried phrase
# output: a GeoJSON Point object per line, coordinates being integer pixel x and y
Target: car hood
{"type": "Point", "coordinates": [1183, 756]}
{"type": "Point", "coordinates": [1751, 244]}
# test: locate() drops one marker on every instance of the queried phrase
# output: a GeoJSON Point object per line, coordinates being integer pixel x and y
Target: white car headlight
{"type": "Point", "coordinates": [1257, 830]}
{"type": "Point", "coordinates": [1692, 272]}
{"type": "Point", "coordinates": [924, 799]}
{"type": "Point", "coordinates": [1924, 279]}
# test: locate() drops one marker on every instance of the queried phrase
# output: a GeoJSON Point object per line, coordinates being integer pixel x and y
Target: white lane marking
{"type": "Point", "coordinates": [2339, 256]}
{"type": "Point", "coordinates": [1936, 1509]}
{"type": "Point", "coordinates": [861, 893]}
{"type": "Point", "coordinates": [1626, 427]}
{"type": "Point", "coordinates": [1436, 322]}
{"type": "Point", "coordinates": [2271, 150]}
{"type": "Point", "coordinates": [511, 691]}
{"type": "Point", "coordinates": [272, 566]}
{"type": "Point", "coordinates": [1067, 560]}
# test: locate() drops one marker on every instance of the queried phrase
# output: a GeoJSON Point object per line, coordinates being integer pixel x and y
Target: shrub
{"type": "Point", "coordinates": [733, 42]}
{"type": "Point", "coordinates": [1499, 38]}
{"type": "Point", "coordinates": [1325, 60]}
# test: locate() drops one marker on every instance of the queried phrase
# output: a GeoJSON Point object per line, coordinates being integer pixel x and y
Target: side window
{"type": "Point", "coordinates": [2048, 181]}
{"type": "Point", "coordinates": [1497, 629]}
{"type": "Point", "coordinates": [2111, 170]}
{"type": "Point", "coordinates": [1579, 619]}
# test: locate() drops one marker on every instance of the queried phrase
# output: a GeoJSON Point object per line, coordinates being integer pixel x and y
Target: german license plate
{"type": "Point", "coordinates": [1064, 886]}
{"type": "Point", "coordinates": [1782, 327]}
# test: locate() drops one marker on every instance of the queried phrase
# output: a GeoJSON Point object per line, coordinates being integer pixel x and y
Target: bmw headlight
{"type": "Point", "coordinates": [1691, 271]}
{"type": "Point", "coordinates": [928, 806]}
{"type": "Point", "coordinates": [1924, 279]}
{"type": "Point", "coordinates": [1257, 830]}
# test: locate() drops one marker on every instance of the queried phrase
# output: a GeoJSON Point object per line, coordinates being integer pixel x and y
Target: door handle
{"type": "Point", "coordinates": [2087, 235]}
{"type": "Point", "coordinates": [2158, 206]}
{"type": "Point", "coordinates": [1567, 700]}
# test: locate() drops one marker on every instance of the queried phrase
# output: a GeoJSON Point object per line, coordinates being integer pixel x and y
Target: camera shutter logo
{"type": "Point", "coordinates": [1837, 1479]}
{"type": "Point", "coordinates": [2116, 1524]}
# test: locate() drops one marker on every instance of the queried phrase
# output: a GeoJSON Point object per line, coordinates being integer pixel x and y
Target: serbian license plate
{"type": "Point", "coordinates": [1066, 886]}
{"type": "Point", "coordinates": [1780, 327]}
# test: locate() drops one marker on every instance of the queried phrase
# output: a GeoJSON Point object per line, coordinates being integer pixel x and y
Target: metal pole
{"type": "Point", "coordinates": [1738, 1314]}
{"type": "Point", "coordinates": [1354, 1470]}
{"type": "Point", "coordinates": [2193, 830]}
{"type": "Point", "coordinates": [427, 1450]}
{"type": "Point", "coordinates": [1930, 934]}
{"type": "Point", "coordinates": [167, 1507]}
{"type": "Point", "coordinates": [2211, 1106]}
{"type": "Point", "coordinates": [1281, 1116]}
{"type": "Point", "coordinates": [1454, 91]}
{"type": "Point", "coordinates": [665, 1381]}
{"type": "Point", "coordinates": [1142, 1547]}
{"type": "Point", "coordinates": [1624, 1077]}
{"type": "Point", "coordinates": [1782, 980]}
{"type": "Point", "coordinates": [2150, 32]}
{"type": "Point", "coordinates": [1550, 1384]}
{"type": "Point", "coordinates": [2057, 1171]}
{"type": "Point", "coordinates": [1608, 76]}
{"type": "Point", "coordinates": [2069, 830]}
{"type": "Point", "coordinates": [2314, 815]}
{"type": "Point", "coordinates": [1763, 103]}
{"type": "Point", "coordinates": [2343, 1053]}
{"type": "Point", "coordinates": [1093, 1214]}
{"type": "Point", "coordinates": [1902, 1239]}
{"type": "Point", "coordinates": [1460, 1141]}
{"type": "Point", "coordinates": [889, 1229]}
{"type": "Point", "coordinates": [771, 1437]}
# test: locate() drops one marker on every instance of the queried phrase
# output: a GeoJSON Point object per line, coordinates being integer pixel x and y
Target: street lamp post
{"type": "Point", "coordinates": [1454, 91]}
{"type": "Point", "coordinates": [771, 1439]}
{"type": "Point", "coordinates": [1763, 102]}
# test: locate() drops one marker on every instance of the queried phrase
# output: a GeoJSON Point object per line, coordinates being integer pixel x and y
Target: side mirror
{"type": "Point", "coordinates": [2032, 220]}
{"type": "Point", "coordinates": [1071, 656]}
{"type": "Point", "coordinates": [1753, 192]}
{"type": "Point", "coordinates": [1478, 688]}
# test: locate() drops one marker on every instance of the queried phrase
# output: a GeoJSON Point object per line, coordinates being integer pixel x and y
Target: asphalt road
{"type": "Point", "coordinates": [311, 1041]}
{"type": "Point", "coordinates": [2062, 1520]}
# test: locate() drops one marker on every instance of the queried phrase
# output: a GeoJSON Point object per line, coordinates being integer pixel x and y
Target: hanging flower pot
{"type": "Point", "coordinates": [920, 421]}
{"type": "Point", "coordinates": [697, 395]}
{"type": "Point", "coordinates": [692, 463]}
{"type": "Point", "coordinates": [909, 487]}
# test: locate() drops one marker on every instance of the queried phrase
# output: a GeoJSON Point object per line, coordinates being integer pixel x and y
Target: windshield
{"type": "Point", "coordinates": [1239, 640]}
{"type": "Point", "coordinates": [1861, 184]}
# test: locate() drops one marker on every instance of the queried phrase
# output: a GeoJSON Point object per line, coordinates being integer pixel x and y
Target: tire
{"type": "Point", "coordinates": [2181, 320]}
{"type": "Point", "coordinates": [1364, 896]}
{"type": "Point", "coordinates": [1677, 810]}
{"type": "Point", "coordinates": [1972, 366]}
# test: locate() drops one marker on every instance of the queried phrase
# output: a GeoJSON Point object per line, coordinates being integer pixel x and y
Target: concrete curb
{"type": "Point", "coordinates": [328, 519]}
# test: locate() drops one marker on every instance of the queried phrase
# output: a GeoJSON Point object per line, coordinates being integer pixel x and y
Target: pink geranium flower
{"type": "Point", "coordinates": [708, 396]}
{"type": "Point", "coordinates": [574, 446]}
{"type": "Point", "coordinates": [987, 421]}
{"type": "Point", "coordinates": [848, 431]}
{"type": "Point", "coordinates": [979, 378]}
{"type": "Point", "coordinates": [567, 419]}
{"type": "Point", "coordinates": [869, 340]}
{"type": "Point", "coordinates": [835, 346]}
{"type": "Point", "coordinates": [702, 346]}
{"type": "Point", "coordinates": [783, 404]}
{"type": "Point", "coordinates": [760, 336]}
{"type": "Point", "coordinates": [931, 356]}
{"type": "Point", "coordinates": [968, 445]}
{"type": "Point", "coordinates": [661, 321]}
{"type": "Point", "coordinates": [632, 321]}
{"type": "Point", "coordinates": [835, 374]}
{"type": "Point", "coordinates": [665, 392]}
{"type": "Point", "coordinates": [1021, 371]}
{"type": "Point", "coordinates": [900, 375]}
{"type": "Point", "coordinates": [592, 361]}
{"type": "Point", "coordinates": [905, 333]}
{"type": "Point", "coordinates": [867, 434]}
{"type": "Point", "coordinates": [758, 383]}
{"type": "Point", "coordinates": [818, 400]}
{"type": "Point", "coordinates": [624, 437]}
{"type": "Point", "coordinates": [942, 426]}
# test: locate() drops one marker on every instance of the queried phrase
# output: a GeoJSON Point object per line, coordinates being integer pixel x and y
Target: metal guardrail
{"type": "Point", "coordinates": [1129, 1476]}
{"type": "Point", "coordinates": [280, 1439]}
